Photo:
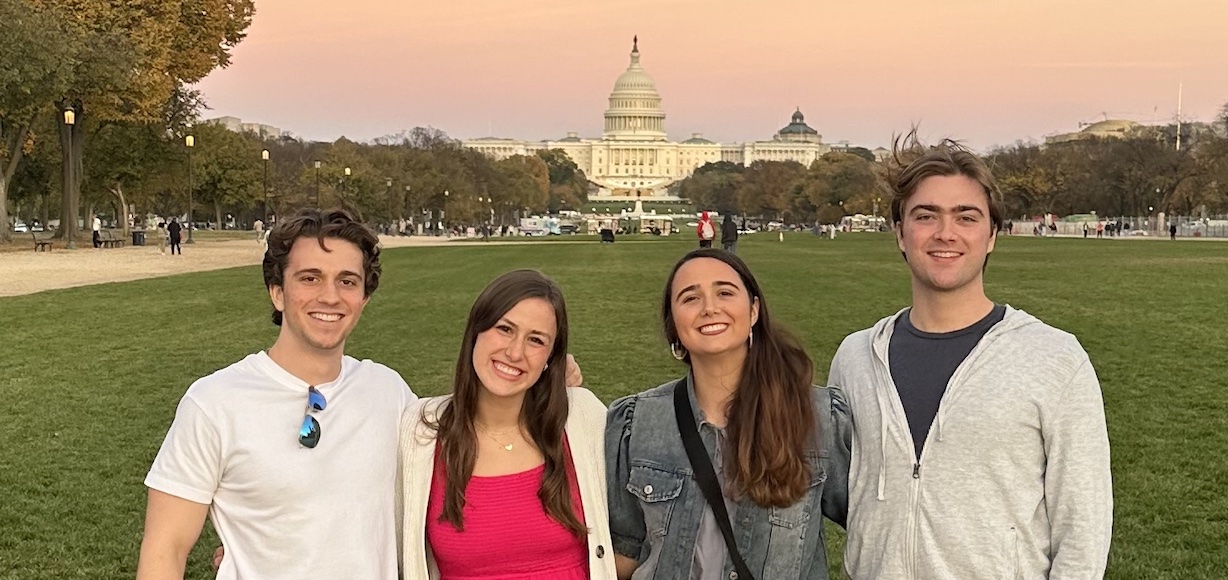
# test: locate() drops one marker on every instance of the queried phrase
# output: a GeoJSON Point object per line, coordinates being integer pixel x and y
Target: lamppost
{"type": "Point", "coordinates": [391, 218]}
{"type": "Point", "coordinates": [317, 199]}
{"type": "Point", "coordinates": [264, 155]}
{"type": "Point", "coordinates": [190, 142]}
{"type": "Point", "coordinates": [405, 208]}
{"type": "Point", "coordinates": [69, 223]}
{"type": "Point", "coordinates": [345, 177]}
{"type": "Point", "coordinates": [443, 213]}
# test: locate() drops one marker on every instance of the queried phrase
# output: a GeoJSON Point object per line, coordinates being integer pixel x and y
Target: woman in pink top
{"type": "Point", "coordinates": [505, 478]}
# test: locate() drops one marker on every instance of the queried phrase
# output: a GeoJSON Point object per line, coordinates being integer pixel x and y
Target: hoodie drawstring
{"type": "Point", "coordinates": [882, 447]}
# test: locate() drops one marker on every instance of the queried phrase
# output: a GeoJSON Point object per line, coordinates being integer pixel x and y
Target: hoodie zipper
{"type": "Point", "coordinates": [910, 536]}
{"type": "Point", "coordinates": [899, 417]}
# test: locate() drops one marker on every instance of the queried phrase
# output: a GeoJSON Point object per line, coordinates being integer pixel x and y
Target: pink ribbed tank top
{"type": "Point", "coordinates": [508, 535]}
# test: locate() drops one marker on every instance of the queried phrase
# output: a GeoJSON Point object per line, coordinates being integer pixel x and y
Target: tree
{"type": "Point", "coordinates": [127, 59]}
{"type": "Point", "coordinates": [768, 187]}
{"type": "Point", "coordinates": [713, 186]}
{"type": "Point", "coordinates": [841, 180]}
{"type": "Point", "coordinates": [861, 152]}
{"type": "Point", "coordinates": [568, 185]}
{"type": "Point", "coordinates": [524, 182]}
{"type": "Point", "coordinates": [227, 171]}
{"type": "Point", "coordinates": [33, 57]}
{"type": "Point", "coordinates": [1033, 179]}
{"type": "Point", "coordinates": [134, 163]}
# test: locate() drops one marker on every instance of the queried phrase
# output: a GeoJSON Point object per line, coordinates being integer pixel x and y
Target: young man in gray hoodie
{"type": "Point", "coordinates": [980, 449]}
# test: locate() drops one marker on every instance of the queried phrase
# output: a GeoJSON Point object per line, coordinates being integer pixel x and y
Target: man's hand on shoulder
{"type": "Point", "coordinates": [574, 377]}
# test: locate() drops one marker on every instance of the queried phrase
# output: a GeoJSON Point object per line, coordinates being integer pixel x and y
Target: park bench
{"type": "Point", "coordinates": [40, 245]}
{"type": "Point", "coordinates": [108, 239]}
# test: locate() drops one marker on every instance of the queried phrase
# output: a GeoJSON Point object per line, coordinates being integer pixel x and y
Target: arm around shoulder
{"type": "Point", "coordinates": [172, 526]}
{"type": "Point", "coordinates": [626, 518]}
{"type": "Point", "coordinates": [839, 443]}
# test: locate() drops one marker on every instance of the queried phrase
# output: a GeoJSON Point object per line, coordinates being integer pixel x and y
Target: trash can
{"type": "Point", "coordinates": [138, 237]}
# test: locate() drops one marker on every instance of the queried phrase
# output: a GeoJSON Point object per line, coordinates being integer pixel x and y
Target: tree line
{"type": "Point", "coordinates": [1136, 174]}
{"type": "Point", "coordinates": [96, 117]}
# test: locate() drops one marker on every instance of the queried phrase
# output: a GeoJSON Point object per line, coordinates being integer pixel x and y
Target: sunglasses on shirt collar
{"type": "Point", "coordinates": [309, 433]}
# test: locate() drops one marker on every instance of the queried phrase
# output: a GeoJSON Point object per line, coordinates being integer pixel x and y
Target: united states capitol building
{"type": "Point", "coordinates": [634, 159]}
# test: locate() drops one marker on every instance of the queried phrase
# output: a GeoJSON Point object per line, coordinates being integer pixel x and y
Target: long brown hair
{"type": "Point", "coordinates": [771, 416]}
{"type": "Point", "coordinates": [544, 411]}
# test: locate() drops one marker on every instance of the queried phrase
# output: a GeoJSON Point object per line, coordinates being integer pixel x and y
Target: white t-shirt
{"type": "Point", "coordinates": [283, 510]}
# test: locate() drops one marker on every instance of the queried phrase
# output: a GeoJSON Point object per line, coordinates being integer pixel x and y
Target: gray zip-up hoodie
{"type": "Point", "coordinates": [1013, 480]}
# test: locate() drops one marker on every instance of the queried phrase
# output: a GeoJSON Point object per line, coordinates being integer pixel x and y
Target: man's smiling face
{"type": "Point", "coordinates": [946, 233]}
{"type": "Point", "coordinates": [322, 296]}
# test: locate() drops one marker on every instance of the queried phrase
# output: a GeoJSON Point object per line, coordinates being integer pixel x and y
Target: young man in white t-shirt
{"type": "Point", "coordinates": [290, 452]}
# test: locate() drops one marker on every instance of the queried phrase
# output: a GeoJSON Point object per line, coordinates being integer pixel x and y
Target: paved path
{"type": "Point", "coordinates": [30, 272]}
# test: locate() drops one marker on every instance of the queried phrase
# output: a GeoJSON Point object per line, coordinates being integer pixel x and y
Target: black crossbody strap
{"type": "Point", "coordinates": [705, 475]}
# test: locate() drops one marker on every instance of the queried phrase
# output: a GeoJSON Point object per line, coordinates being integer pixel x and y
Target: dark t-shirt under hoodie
{"type": "Point", "coordinates": [922, 364]}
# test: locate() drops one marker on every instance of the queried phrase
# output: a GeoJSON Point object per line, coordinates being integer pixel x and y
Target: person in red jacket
{"type": "Point", "coordinates": [706, 230]}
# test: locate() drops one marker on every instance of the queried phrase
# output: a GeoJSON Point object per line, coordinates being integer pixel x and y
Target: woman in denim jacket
{"type": "Point", "coordinates": [779, 446]}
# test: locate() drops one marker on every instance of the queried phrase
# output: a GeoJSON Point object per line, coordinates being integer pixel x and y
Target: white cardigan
{"type": "Point", "coordinates": [585, 430]}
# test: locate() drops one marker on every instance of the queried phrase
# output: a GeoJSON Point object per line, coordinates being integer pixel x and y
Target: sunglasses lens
{"type": "Point", "coordinates": [309, 433]}
{"type": "Point", "coordinates": [315, 399]}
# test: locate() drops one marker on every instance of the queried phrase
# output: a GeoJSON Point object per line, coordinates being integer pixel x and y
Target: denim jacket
{"type": "Point", "coordinates": [656, 505]}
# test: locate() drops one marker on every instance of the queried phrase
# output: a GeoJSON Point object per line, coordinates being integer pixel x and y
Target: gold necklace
{"type": "Point", "coordinates": [507, 446]}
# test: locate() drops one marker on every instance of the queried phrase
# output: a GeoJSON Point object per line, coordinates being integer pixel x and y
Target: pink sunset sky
{"type": "Point", "coordinates": [985, 71]}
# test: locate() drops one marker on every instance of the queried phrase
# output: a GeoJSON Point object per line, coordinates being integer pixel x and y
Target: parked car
{"type": "Point", "coordinates": [21, 227]}
{"type": "Point", "coordinates": [568, 229]}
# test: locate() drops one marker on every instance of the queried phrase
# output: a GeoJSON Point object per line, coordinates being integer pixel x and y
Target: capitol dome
{"type": "Point", "coordinates": [798, 130]}
{"type": "Point", "coordinates": [635, 105]}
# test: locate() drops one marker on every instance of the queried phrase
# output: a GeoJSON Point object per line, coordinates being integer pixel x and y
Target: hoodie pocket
{"type": "Point", "coordinates": [657, 491]}
{"type": "Point", "coordinates": [1010, 554]}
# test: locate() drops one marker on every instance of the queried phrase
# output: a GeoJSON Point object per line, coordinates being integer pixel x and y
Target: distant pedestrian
{"type": "Point", "coordinates": [163, 237]}
{"type": "Point", "coordinates": [174, 233]}
{"type": "Point", "coordinates": [97, 232]}
{"type": "Point", "coordinates": [729, 234]}
{"type": "Point", "coordinates": [1172, 231]}
{"type": "Point", "coordinates": [1086, 230]}
{"type": "Point", "coordinates": [706, 230]}
{"type": "Point", "coordinates": [1099, 229]}
{"type": "Point", "coordinates": [258, 226]}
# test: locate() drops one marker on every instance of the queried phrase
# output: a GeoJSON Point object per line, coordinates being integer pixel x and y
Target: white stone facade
{"type": "Point", "coordinates": [237, 125]}
{"type": "Point", "coordinates": [634, 159]}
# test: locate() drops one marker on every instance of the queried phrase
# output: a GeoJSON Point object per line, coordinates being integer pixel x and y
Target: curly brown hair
{"type": "Point", "coordinates": [320, 224]}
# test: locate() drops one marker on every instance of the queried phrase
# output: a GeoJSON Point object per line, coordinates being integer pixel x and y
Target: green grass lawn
{"type": "Point", "coordinates": [90, 376]}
